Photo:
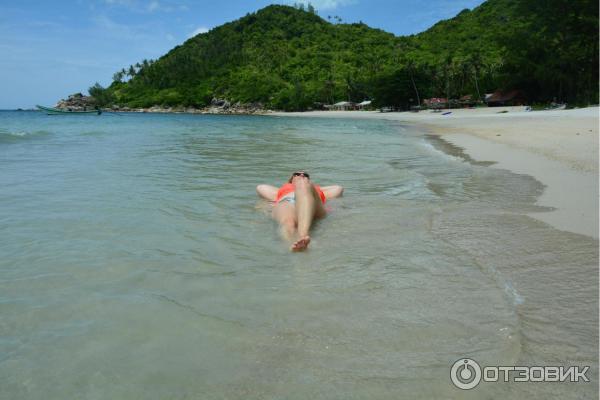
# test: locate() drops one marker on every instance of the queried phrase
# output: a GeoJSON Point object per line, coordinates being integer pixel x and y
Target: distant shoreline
{"type": "Point", "coordinates": [201, 111]}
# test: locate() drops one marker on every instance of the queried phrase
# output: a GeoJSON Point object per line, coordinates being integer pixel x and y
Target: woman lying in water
{"type": "Point", "coordinates": [297, 204]}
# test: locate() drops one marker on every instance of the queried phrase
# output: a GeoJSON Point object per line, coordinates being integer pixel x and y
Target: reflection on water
{"type": "Point", "coordinates": [138, 263]}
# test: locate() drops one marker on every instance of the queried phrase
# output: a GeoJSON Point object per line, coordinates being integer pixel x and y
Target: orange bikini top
{"type": "Point", "coordinates": [290, 188]}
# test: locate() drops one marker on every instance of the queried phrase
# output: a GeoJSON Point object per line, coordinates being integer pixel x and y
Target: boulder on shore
{"type": "Point", "coordinates": [77, 102]}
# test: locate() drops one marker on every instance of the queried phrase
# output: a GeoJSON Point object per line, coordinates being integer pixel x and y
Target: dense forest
{"type": "Point", "coordinates": [290, 58]}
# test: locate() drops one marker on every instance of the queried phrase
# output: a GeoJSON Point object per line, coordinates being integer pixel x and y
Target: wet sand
{"type": "Point", "coordinates": [559, 148]}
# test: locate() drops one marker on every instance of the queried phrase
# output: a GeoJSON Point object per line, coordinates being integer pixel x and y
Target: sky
{"type": "Point", "coordinates": [50, 49]}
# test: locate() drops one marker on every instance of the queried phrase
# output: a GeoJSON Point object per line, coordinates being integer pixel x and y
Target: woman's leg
{"type": "Point", "coordinates": [308, 206]}
{"type": "Point", "coordinates": [285, 214]}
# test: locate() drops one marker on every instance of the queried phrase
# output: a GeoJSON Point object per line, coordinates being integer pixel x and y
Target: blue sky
{"type": "Point", "coordinates": [49, 49]}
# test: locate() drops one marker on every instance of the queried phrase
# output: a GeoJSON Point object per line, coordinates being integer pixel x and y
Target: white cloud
{"type": "Point", "coordinates": [128, 3]}
{"type": "Point", "coordinates": [114, 29]}
{"type": "Point", "coordinates": [153, 6]}
{"type": "Point", "coordinates": [199, 30]}
{"type": "Point", "coordinates": [104, 22]}
{"type": "Point", "coordinates": [145, 6]}
{"type": "Point", "coordinates": [326, 4]}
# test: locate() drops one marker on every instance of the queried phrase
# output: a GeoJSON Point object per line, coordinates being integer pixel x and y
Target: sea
{"type": "Point", "coordinates": [137, 262]}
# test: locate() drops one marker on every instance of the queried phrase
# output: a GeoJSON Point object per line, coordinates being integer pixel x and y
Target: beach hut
{"type": "Point", "coordinates": [506, 98]}
{"type": "Point", "coordinates": [467, 101]}
{"type": "Point", "coordinates": [363, 105]}
{"type": "Point", "coordinates": [344, 106]}
{"type": "Point", "coordinates": [436, 103]}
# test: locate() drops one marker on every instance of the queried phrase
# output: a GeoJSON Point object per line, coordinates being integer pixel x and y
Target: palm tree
{"type": "Point", "coordinates": [118, 76]}
{"type": "Point", "coordinates": [448, 70]}
{"type": "Point", "coordinates": [410, 66]}
{"type": "Point", "coordinates": [475, 61]}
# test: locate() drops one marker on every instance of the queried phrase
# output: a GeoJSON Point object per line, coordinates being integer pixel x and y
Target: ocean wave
{"type": "Point", "coordinates": [19, 136]}
{"type": "Point", "coordinates": [94, 133]}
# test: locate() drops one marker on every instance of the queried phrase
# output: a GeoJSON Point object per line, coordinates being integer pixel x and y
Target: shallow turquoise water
{"type": "Point", "coordinates": [137, 262]}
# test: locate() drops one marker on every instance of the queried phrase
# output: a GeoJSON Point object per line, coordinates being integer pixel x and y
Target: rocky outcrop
{"type": "Point", "coordinates": [77, 102]}
{"type": "Point", "coordinates": [217, 106]}
{"type": "Point", "coordinates": [223, 106]}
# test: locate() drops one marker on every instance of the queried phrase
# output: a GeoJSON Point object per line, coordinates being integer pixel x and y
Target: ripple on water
{"type": "Point", "coordinates": [7, 136]}
{"type": "Point", "coordinates": [142, 265]}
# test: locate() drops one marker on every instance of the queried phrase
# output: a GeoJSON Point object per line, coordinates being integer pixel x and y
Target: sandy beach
{"type": "Point", "coordinates": [559, 148]}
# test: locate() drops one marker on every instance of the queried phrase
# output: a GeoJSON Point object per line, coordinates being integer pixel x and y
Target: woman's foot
{"type": "Point", "coordinates": [301, 244]}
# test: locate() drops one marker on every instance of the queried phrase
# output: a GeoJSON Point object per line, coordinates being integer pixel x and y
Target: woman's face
{"type": "Point", "coordinates": [299, 175]}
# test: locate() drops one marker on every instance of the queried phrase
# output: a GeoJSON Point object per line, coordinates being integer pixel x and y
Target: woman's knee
{"type": "Point", "coordinates": [303, 187]}
{"type": "Point", "coordinates": [284, 213]}
{"type": "Point", "coordinates": [301, 183]}
{"type": "Point", "coordinates": [287, 220]}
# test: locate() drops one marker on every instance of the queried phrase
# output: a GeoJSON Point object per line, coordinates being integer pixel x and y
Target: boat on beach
{"type": "Point", "coordinates": [59, 111]}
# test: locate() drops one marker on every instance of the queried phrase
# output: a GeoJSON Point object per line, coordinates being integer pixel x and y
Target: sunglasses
{"type": "Point", "coordinates": [301, 174]}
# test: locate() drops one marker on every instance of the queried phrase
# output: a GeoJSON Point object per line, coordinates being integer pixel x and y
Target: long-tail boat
{"type": "Point", "coordinates": [60, 111]}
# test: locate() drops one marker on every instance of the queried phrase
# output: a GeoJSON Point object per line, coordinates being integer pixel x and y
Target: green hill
{"type": "Point", "coordinates": [288, 58]}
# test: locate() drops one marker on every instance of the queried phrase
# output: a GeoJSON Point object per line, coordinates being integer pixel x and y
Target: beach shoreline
{"type": "Point", "coordinates": [559, 148]}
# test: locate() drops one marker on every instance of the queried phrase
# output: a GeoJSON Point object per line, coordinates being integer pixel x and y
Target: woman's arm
{"type": "Point", "coordinates": [331, 192]}
{"type": "Point", "coordinates": [267, 192]}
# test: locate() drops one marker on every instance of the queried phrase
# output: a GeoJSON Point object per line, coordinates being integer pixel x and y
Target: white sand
{"type": "Point", "coordinates": [558, 148]}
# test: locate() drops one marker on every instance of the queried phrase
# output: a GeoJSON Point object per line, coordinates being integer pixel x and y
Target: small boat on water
{"type": "Point", "coordinates": [60, 111]}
